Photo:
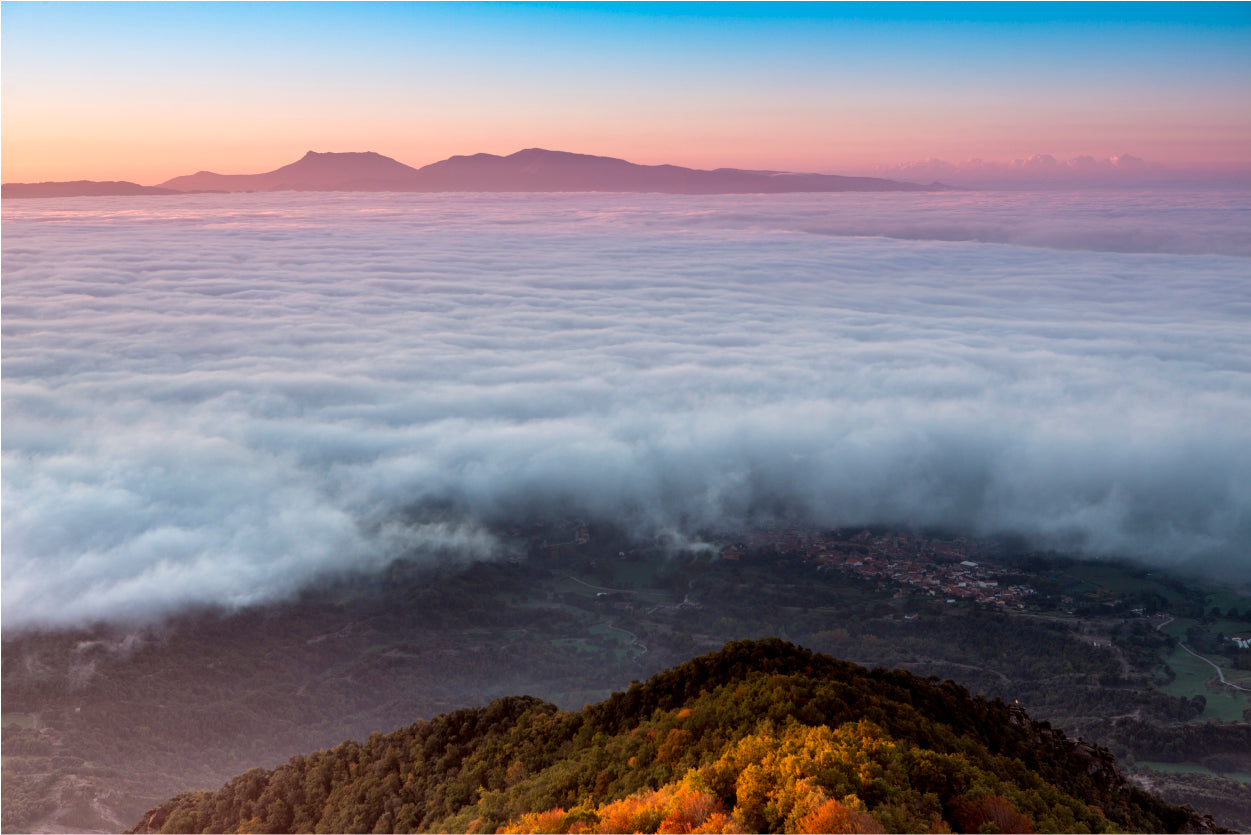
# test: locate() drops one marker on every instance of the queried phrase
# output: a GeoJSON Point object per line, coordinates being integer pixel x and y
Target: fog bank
{"type": "Point", "coordinates": [217, 399]}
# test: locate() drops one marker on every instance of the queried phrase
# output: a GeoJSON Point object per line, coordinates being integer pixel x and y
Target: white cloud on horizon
{"type": "Point", "coordinates": [1047, 170]}
{"type": "Point", "coordinates": [213, 401]}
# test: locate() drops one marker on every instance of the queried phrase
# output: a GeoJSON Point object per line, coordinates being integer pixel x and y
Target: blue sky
{"type": "Point", "coordinates": [146, 91]}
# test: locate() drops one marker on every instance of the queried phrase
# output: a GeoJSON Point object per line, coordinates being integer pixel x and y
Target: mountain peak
{"type": "Point", "coordinates": [315, 171]}
{"type": "Point", "coordinates": [545, 152]}
{"type": "Point", "coordinates": [807, 733]}
{"type": "Point", "coordinates": [346, 155]}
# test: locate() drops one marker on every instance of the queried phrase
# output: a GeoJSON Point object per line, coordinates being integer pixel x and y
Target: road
{"type": "Point", "coordinates": [1210, 663]}
{"type": "Point", "coordinates": [637, 644]}
{"type": "Point", "coordinates": [1216, 667]}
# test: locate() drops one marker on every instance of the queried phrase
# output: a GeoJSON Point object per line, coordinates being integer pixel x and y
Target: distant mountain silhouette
{"type": "Point", "coordinates": [531, 170]}
{"type": "Point", "coordinates": [80, 188]}
{"type": "Point", "coordinates": [535, 169]}
{"type": "Point", "coordinates": [313, 172]}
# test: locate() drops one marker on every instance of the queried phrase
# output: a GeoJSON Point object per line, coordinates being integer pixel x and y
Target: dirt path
{"type": "Point", "coordinates": [635, 642]}
{"type": "Point", "coordinates": [1219, 672]}
{"type": "Point", "coordinates": [1216, 667]}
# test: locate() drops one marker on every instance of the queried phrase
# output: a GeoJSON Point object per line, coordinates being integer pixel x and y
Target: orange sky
{"type": "Point", "coordinates": [152, 91]}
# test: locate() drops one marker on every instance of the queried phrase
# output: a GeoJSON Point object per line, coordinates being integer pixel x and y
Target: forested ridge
{"type": "Point", "coordinates": [759, 736]}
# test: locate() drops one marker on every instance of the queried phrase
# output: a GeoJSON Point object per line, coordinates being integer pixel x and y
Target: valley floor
{"type": "Point", "coordinates": [103, 724]}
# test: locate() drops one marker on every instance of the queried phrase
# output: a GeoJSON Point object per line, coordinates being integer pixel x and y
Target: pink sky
{"type": "Point", "coordinates": [156, 90]}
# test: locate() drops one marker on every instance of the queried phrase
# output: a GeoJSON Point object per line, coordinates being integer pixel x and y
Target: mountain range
{"type": "Point", "coordinates": [531, 170]}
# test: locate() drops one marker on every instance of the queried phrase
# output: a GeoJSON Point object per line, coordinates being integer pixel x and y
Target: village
{"type": "Point", "coordinates": [938, 568]}
{"type": "Point", "coordinates": [951, 570]}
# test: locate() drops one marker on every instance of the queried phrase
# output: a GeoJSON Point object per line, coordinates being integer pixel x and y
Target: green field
{"type": "Point", "coordinates": [21, 720]}
{"type": "Point", "coordinates": [1224, 626]}
{"type": "Point", "coordinates": [1195, 678]}
{"type": "Point", "coordinates": [1192, 674]}
{"type": "Point", "coordinates": [1109, 577]}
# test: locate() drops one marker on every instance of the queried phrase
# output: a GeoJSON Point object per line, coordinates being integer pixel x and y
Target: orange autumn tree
{"type": "Point", "coordinates": [783, 777]}
{"type": "Point", "coordinates": [994, 811]}
{"type": "Point", "coordinates": [674, 808]}
{"type": "Point", "coordinates": [835, 817]}
{"type": "Point", "coordinates": [779, 778]}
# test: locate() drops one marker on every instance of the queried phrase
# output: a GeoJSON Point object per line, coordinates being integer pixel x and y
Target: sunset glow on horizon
{"type": "Point", "coordinates": [146, 92]}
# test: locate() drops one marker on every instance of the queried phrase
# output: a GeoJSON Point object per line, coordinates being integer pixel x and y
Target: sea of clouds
{"type": "Point", "coordinates": [217, 399]}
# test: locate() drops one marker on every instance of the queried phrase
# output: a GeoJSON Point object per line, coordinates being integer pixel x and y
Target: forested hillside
{"type": "Point", "coordinates": [760, 736]}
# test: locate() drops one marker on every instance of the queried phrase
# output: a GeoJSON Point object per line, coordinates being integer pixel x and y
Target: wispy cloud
{"type": "Point", "coordinates": [214, 400]}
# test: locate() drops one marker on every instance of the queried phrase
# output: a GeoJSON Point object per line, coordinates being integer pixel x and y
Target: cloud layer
{"type": "Point", "coordinates": [1084, 171]}
{"type": "Point", "coordinates": [212, 400]}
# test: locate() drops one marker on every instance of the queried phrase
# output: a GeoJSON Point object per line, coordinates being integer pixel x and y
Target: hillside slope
{"type": "Point", "coordinates": [760, 736]}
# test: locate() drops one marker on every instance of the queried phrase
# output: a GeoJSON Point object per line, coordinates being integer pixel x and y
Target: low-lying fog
{"type": "Point", "coordinates": [216, 398]}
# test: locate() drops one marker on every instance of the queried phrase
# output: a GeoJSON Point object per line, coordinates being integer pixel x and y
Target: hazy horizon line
{"type": "Point", "coordinates": [1037, 168]}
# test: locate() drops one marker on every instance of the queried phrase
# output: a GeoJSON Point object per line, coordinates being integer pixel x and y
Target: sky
{"type": "Point", "coordinates": [219, 399]}
{"type": "Point", "coordinates": [148, 91]}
